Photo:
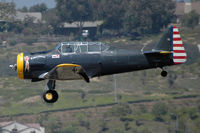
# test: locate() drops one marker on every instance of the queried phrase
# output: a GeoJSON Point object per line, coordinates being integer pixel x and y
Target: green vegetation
{"type": "Point", "coordinates": [146, 102]}
{"type": "Point", "coordinates": [177, 119]}
{"type": "Point", "coordinates": [12, 42]}
{"type": "Point", "coordinates": [7, 12]}
{"type": "Point", "coordinates": [119, 17]}
{"type": "Point", "coordinates": [148, 17]}
{"type": "Point", "coordinates": [7, 9]}
{"type": "Point", "coordinates": [190, 19]}
{"type": "Point", "coordinates": [38, 8]}
{"type": "Point", "coordinates": [159, 110]}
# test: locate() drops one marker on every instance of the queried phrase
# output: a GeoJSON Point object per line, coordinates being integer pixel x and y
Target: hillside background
{"type": "Point", "coordinates": [145, 102]}
{"type": "Point", "coordinates": [136, 92]}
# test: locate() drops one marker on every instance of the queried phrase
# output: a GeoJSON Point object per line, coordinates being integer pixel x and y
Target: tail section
{"type": "Point", "coordinates": [171, 43]}
{"type": "Point", "coordinates": [179, 53]}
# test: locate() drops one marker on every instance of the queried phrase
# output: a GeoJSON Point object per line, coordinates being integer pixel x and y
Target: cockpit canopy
{"type": "Point", "coordinates": [81, 47]}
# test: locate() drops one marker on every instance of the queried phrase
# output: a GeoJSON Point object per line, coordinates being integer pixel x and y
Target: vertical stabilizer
{"type": "Point", "coordinates": [179, 53]}
{"type": "Point", "coordinates": [171, 41]}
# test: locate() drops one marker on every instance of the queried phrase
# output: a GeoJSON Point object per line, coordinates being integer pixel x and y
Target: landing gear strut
{"type": "Point", "coordinates": [163, 73]}
{"type": "Point", "coordinates": [50, 96]}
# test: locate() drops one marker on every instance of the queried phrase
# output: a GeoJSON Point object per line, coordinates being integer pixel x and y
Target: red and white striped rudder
{"type": "Point", "coordinates": [179, 53]}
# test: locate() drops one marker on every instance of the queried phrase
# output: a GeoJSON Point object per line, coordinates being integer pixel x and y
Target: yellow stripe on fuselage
{"type": "Point", "coordinates": [20, 65]}
{"type": "Point", "coordinates": [67, 65]}
{"type": "Point", "coordinates": [166, 52]}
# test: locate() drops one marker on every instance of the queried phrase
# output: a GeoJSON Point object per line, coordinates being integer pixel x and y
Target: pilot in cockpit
{"type": "Point", "coordinates": [68, 49]}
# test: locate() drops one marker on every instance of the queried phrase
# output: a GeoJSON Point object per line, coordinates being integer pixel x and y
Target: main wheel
{"type": "Point", "coordinates": [164, 73]}
{"type": "Point", "coordinates": [50, 96]}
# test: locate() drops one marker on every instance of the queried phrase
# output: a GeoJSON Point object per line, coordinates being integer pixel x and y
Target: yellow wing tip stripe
{"type": "Point", "coordinates": [68, 65]}
{"type": "Point", "coordinates": [166, 52]}
{"type": "Point", "coordinates": [20, 65]}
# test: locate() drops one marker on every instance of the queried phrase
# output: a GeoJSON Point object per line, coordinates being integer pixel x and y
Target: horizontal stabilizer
{"type": "Point", "coordinates": [158, 52]}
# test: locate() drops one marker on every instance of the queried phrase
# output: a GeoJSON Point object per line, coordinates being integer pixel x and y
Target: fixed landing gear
{"type": "Point", "coordinates": [50, 96]}
{"type": "Point", "coordinates": [164, 73]}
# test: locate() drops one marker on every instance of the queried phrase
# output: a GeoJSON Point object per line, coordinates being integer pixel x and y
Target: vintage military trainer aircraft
{"type": "Point", "coordinates": [85, 60]}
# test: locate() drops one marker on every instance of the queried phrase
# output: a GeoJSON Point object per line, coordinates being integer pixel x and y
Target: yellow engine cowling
{"type": "Point", "coordinates": [20, 65]}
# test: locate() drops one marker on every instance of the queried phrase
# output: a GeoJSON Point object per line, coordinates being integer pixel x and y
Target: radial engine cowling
{"type": "Point", "coordinates": [20, 65]}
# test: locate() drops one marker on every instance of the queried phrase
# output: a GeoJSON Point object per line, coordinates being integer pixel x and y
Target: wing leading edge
{"type": "Point", "coordinates": [66, 72]}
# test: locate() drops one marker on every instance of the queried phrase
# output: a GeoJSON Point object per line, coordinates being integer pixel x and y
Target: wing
{"type": "Point", "coordinates": [66, 72]}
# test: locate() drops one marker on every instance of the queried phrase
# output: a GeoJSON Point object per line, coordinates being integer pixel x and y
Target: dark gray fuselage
{"type": "Point", "coordinates": [96, 63]}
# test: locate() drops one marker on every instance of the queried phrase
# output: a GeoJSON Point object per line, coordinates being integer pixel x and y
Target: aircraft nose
{"type": "Point", "coordinates": [20, 65]}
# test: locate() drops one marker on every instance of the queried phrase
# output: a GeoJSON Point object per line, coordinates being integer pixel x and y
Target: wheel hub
{"type": "Point", "coordinates": [49, 96]}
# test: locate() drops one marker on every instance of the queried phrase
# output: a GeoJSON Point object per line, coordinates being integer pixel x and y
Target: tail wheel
{"type": "Point", "coordinates": [50, 96]}
{"type": "Point", "coordinates": [164, 73]}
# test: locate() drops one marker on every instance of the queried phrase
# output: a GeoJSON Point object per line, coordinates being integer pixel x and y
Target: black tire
{"type": "Point", "coordinates": [50, 96]}
{"type": "Point", "coordinates": [164, 73]}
